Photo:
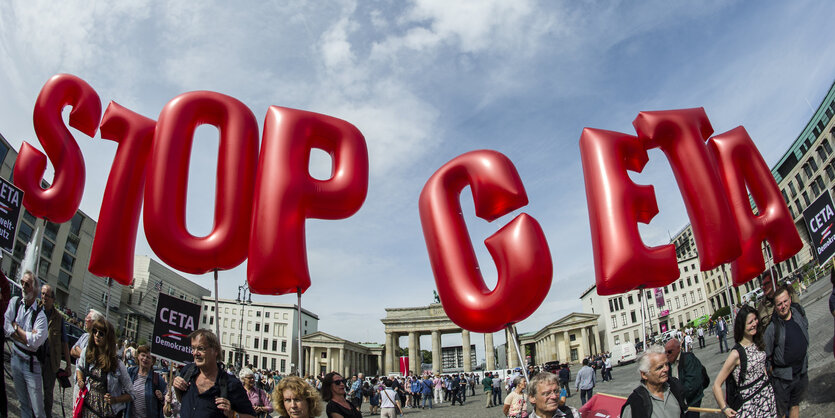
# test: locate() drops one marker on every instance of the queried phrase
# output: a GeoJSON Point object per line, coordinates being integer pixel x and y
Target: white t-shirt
{"type": "Point", "coordinates": [387, 398]}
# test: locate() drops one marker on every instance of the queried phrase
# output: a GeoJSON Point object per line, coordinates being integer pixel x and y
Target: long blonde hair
{"type": "Point", "coordinates": [102, 357]}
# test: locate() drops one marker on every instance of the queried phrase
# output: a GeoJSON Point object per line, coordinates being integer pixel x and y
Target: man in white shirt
{"type": "Point", "coordinates": [701, 333]}
{"type": "Point", "coordinates": [389, 403]}
{"type": "Point", "coordinates": [26, 326]}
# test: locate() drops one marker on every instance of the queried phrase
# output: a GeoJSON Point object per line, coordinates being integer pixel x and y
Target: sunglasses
{"type": "Point", "coordinates": [340, 382]}
{"type": "Point", "coordinates": [98, 332]}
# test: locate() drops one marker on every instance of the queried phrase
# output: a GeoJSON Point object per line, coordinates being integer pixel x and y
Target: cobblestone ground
{"type": "Point", "coordinates": [820, 398]}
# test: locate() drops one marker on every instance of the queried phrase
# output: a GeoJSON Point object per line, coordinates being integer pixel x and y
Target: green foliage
{"type": "Point", "coordinates": [723, 311]}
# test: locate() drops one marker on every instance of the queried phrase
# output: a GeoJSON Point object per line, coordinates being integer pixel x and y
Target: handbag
{"type": "Point", "coordinates": [79, 403]}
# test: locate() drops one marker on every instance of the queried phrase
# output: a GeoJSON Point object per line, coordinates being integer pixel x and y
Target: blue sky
{"type": "Point", "coordinates": [426, 81]}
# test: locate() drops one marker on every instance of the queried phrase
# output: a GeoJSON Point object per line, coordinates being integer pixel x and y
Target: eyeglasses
{"type": "Point", "coordinates": [201, 349]}
{"type": "Point", "coordinates": [340, 382]}
{"type": "Point", "coordinates": [98, 332]}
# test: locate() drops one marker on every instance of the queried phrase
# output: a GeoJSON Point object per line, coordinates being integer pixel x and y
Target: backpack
{"type": "Point", "coordinates": [189, 371]}
{"type": "Point", "coordinates": [43, 351]}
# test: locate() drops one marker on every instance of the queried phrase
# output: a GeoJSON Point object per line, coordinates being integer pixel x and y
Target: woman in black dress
{"type": "Point", "coordinates": [333, 392]}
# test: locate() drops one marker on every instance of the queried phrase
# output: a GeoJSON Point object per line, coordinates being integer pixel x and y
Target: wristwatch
{"type": "Point", "coordinates": [724, 408]}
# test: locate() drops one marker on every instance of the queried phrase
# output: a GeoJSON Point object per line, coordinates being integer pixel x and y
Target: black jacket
{"type": "Point", "coordinates": [641, 404]}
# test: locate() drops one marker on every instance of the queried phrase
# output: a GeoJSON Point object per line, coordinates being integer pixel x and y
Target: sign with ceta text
{"type": "Point", "coordinates": [175, 320]}
{"type": "Point", "coordinates": [820, 218]}
{"type": "Point", "coordinates": [10, 200]}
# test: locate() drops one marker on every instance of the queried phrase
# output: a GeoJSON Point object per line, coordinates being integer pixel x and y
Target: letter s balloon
{"type": "Point", "coordinates": [58, 202]}
{"type": "Point", "coordinates": [519, 249]}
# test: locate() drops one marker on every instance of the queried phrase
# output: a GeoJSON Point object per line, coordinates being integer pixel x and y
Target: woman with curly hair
{"type": "Point", "coordinates": [103, 374]}
{"type": "Point", "coordinates": [295, 398]}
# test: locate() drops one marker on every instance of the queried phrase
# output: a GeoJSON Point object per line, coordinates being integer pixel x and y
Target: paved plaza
{"type": "Point", "coordinates": [819, 401]}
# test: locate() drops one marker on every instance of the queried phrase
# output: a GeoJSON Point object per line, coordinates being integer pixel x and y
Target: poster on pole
{"type": "Point", "coordinates": [10, 200]}
{"type": "Point", "coordinates": [820, 217]}
{"type": "Point", "coordinates": [175, 319]}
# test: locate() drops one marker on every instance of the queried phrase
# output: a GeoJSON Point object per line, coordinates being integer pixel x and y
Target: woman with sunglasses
{"type": "Point", "coordinates": [257, 397]}
{"type": "Point", "coordinates": [101, 372]}
{"type": "Point", "coordinates": [333, 392]}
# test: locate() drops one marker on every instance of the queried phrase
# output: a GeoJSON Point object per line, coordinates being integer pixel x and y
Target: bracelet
{"type": "Point", "coordinates": [724, 408]}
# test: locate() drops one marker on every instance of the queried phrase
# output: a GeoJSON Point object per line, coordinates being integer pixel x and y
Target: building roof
{"type": "Point", "coordinates": [263, 305]}
{"type": "Point", "coordinates": [806, 137]}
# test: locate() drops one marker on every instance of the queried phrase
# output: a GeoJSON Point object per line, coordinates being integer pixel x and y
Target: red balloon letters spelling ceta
{"type": "Point", "coordinates": [712, 181]}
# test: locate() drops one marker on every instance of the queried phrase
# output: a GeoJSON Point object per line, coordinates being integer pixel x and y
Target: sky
{"type": "Point", "coordinates": [425, 81]}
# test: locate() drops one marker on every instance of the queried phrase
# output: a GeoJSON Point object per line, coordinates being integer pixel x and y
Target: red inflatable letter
{"type": "Point", "coordinates": [165, 193]}
{"type": "Point", "coordinates": [741, 165]}
{"type": "Point", "coordinates": [60, 201]}
{"type": "Point", "coordinates": [681, 134]}
{"type": "Point", "coordinates": [621, 260]}
{"type": "Point", "coordinates": [287, 195]}
{"type": "Point", "coordinates": [115, 240]}
{"type": "Point", "coordinates": [519, 249]}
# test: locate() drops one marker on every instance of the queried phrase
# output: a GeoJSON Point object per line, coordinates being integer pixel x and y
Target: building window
{"type": "Point", "coordinates": [815, 189]}
{"type": "Point", "coordinates": [257, 314]}
{"type": "Point", "coordinates": [283, 365]}
{"type": "Point", "coordinates": [64, 279]}
{"type": "Point", "coordinates": [255, 361]}
{"type": "Point", "coordinates": [806, 198]}
{"type": "Point", "coordinates": [257, 327]}
{"type": "Point", "coordinates": [629, 299]}
{"type": "Point", "coordinates": [674, 287]}
{"type": "Point", "coordinates": [75, 224]}
{"type": "Point", "coordinates": [263, 362]}
{"type": "Point", "coordinates": [799, 180]}
{"type": "Point", "coordinates": [211, 319]}
{"type": "Point", "coordinates": [264, 345]}
{"type": "Point", "coordinates": [275, 345]}
{"type": "Point", "coordinates": [574, 356]}
{"type": "Point", "coordinates": [266, 328]}
{"type": "Point", "coordinates": [51, 230]}
{"type": "Point", "coordinates": [267, 315]}
{"type": "Point", "coordinates": [678, 306]}
{"type": "Point", "coordinates": [813, 164]}
{"type": "Point", "coordinates": [688, 282]}
{"type": "Point", "coordinates": [284, 346]}
{"type": "Point", "coordinates": [623, 318]}
{"type": "Point", "coordinates": [67, 262]}
{"type": "Point", "coordinates": [634, 318]}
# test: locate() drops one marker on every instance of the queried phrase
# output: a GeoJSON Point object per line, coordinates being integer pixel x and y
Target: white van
{"type": "Point", "coordinates": [624, 353]}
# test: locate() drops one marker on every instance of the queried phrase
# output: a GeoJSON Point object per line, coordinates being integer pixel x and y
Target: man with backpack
{"type": "Point", "coordinates": [26, 326]}
{"type": "Point", "coordinates": [786, 341]}
{"type": "Point", "coordinates": [687, 368]}
{"type": "Point", "coordinates": [204, 387]}
{"type": "Point", "coordinates": [659, 394]}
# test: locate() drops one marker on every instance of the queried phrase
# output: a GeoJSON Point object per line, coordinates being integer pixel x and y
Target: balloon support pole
{"type": "Point", "coordinates": [642, 295]}
{"type": "Point", "coordinates": [515, 337]}
{"type": "Point", "coordinates": [107, 301]}
{"type": "Point", "coordinates": [300, 356]}
{"type": "Point", "coordinates": [217, 310]}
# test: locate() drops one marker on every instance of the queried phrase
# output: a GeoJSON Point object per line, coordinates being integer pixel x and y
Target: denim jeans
{"type": "Point", "coordinates": [28, 385]}
{"type": "Point", "coordinates": [427, 397]}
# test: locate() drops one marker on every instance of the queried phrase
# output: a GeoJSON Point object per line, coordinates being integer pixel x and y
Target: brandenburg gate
{"type": "Point", "coordinates": [426, 320]}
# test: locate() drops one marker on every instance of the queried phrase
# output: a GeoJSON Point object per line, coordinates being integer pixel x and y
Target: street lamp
{"type": "Point", "coordinates": [244, 298]}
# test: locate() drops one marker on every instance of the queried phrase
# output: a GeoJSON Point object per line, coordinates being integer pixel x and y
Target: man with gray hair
{"type": "Point", "coordinates": [544, 396]}
{"type": "Point", "coordinates": [57, 348]}
{"type": "Point", "coordinates": [26, 325]}
{"type": "Point", "coordinates": [659, 395]}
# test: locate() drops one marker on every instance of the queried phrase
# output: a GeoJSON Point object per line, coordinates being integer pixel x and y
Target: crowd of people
{"type": "Point", "coordinates": [764, 375]}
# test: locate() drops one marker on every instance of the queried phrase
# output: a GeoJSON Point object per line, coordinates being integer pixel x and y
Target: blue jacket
{"type": "Point", "coordinates": [153, 407]}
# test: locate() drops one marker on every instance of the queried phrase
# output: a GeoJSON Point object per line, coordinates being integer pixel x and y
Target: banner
{"type": "Point", "coordinates": [175, 320]}
{"type": "Point", "coordinates": [603, 406]}
{"type": "Point", "coordinates": [820, 217]}
{"type": "Point", "coordinates": [404, 365]}
{"type": "Point", "coordinates": [10, 198]}
{"type": "Point", "coordinates": [659, 297]}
